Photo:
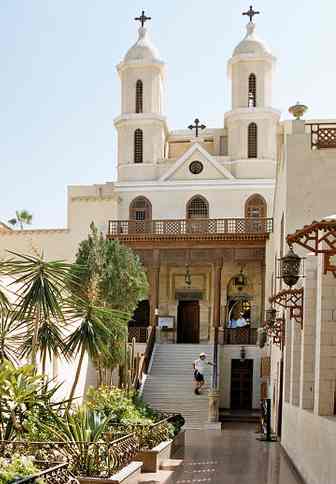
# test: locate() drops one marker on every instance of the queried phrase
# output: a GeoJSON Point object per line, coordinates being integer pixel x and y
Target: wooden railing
{"type": "Point", "coordinates": [238, 336]}
{"type": "Point", "coordinates": [222, 228]}
{"type": "Point", "coordinates": [323, 135]}
{"type": "Point", "coordinates": [140, 334]}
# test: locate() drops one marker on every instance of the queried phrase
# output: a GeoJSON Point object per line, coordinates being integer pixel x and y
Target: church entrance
{"type": "Point", "coordinates": [241, 384]}
{"type": "Point", "coordinates": [188, 322]}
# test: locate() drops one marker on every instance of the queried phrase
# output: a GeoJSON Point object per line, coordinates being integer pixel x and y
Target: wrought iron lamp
{"type": "Point", "coordinates": [240, 280]}
{"type": "Point", "coordinates": [187, 276]}
{"type": "Point", "coordinates": [290, 266]}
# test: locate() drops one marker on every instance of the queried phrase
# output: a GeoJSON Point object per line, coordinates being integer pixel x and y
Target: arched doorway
{"type": "Point", "coordinates": [256, 213]}
{"type": "Point", "coordinates": [140, 215]}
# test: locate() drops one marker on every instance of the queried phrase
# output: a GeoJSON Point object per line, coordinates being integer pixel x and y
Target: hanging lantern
{"type": "Point", "coordinates": [242, 354]}
{"type": "Point", "coordinates": [290, 266]}
{"type": "Point", "coordinates": [187, 276]}
{"type": "Point", "coordinates": [240, 280]}
{"type": "Point", "coordinates": [261, 337]}
{"type": "Point", "coordinates": [270, 316]}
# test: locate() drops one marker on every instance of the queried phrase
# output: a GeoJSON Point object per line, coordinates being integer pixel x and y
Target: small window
{"type": "Point", "coordinates": [139, 97]}
{"type": "Point", "coordinates": [140, 209]}
{"type": "Point", "coordinates": [252, 141]}
{"type": "Point", "coordinates": [138, 146]}
{"type": "Point", "coordinates": [255, 207]}
{"type": "Point", "coordinates": [252, 91]}
{"type": "Point", "coordinates": [197, 207]}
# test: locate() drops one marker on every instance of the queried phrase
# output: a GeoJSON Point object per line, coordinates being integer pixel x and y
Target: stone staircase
{"type": "Point", "coordinates": [169, 384]}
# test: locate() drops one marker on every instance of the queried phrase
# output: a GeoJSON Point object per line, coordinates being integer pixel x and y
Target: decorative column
{"type": "Point", "coordinates": [154, 286]}
{"type": "Point", "coordinates": [213, 408]}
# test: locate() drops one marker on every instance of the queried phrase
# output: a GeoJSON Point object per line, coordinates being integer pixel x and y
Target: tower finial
{"type": "Point", "coordinates": [143, 18]}
{"type": "Point", "coordinates": [251, 13]}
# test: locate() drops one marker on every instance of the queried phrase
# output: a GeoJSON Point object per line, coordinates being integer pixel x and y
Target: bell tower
{"type": "Point", "coordinates": [141, 126]}
{"type": "Point", "coordinates": [252, 122]}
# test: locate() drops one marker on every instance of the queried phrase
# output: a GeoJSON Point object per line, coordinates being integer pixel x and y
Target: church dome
{"type": "Point", "coordinates": [251, 44]}
{"type": "Point", "coordinates": [143, 50]}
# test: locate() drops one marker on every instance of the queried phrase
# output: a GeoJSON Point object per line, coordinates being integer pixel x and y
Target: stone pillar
{"type": "Point", "coordinates": [325, 349]}
{"type": "Point", "coordinates": [154, 286]}
{"type": "Point", "coordinates": [296, 362]}
{"type": "Point", "coordinates": [213, 406]}
{"type": "Point", "coordinates": [216, 318]}
{"type": "Point", "coordinates": [308, 335]}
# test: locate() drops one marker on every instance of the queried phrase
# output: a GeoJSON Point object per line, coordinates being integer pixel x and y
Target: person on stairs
{"type": "Point", "coordinates": [199, 367]}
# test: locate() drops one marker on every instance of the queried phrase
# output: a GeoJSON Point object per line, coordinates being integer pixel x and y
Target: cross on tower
{"type": "Point", "coordinates": [143, 18]}
{"type": "Point", "coordinates": [251, 13]}
{"type": "Point", "coordinates": [197, 126]}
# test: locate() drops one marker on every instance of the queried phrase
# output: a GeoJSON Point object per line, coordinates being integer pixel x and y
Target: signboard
{"type": "Point", "coordinates": [166, 322]}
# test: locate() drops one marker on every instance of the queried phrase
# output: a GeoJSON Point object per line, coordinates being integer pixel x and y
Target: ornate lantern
{"type": "Point", "coordinates": [240, 280]}
{"type": "Point", "coordinates": [270, 316]}
{"type": "Point", "coordinates": [261, 337]}
{"type": "Point", "coordinates": [290, 266]}
{"type": "Point", "coordinates": [242, 354]}
{"type": "Point", "coordinates": [187, 276]}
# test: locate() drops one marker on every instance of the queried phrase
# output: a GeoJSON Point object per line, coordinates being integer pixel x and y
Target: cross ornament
{"type": "Point", "coordinates": [197, 126]}
{"type": "Point", "coordinates": [251, 13]}
{"type": "Point", "coordinates": [143, 18]}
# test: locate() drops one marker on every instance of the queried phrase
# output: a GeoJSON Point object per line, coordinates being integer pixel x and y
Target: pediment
{"type": "Point", "coordinates": [212, 170]}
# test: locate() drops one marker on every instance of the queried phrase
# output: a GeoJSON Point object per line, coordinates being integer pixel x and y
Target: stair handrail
{"type": "Point", "coordinates": [145, 358]}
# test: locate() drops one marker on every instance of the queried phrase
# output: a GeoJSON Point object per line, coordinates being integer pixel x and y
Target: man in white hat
{"type": "Point", "coordinates": [199, 367]}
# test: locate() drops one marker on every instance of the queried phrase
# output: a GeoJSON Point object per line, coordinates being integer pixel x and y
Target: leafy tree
{"type": "Point", "coordinates": [93, 335]}
{"type": "Point", "coordinates": [110, 272]}
{"type": "Point", "coordinates": [42, 287]}
{"type": "Point", "coordinates": [23, 217]}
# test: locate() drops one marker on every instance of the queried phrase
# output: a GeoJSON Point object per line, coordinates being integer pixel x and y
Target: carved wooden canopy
{"type": "Point", "coordinates": [291, 299]}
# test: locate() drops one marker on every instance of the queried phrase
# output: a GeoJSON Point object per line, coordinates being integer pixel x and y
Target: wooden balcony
{"type": "Point", "coordinates": [323, 135]}
{"type": "Point", "coordinates": [187, 229]}
{"type": "Point", "coordinates": [238, 336]}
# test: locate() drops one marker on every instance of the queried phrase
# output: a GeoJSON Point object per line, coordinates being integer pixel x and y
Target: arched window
{"type": "Point", "coordinates": [140, 209]}
{"type": "Point", "coordinates": [138, 146]}
{"type": "Point", "coordinates": [252, 91]}
{"type": "Point", "coordinates": [252, 141]}
{"type": "Point", "coordinates": [139, 97]}
{"type": "Point", "coordinates": [255, 207]}
{"type": "Point", "coordinates": [197, 207]}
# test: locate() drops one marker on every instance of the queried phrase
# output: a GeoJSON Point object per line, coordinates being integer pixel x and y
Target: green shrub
{"type": "Point", "coordinates": [117, 405]}
{"type": "Point", "coordinates": [18, 468]}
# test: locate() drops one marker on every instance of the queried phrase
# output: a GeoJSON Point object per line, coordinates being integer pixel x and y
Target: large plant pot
{"type": "Point", "coordinates": [152, 458]}
{"type": "Point", "coordinates": [128, 475]}
{"type": "Point", "coordinates": [178, 442]}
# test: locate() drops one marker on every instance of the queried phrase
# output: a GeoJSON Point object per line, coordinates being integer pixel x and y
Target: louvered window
{"type": "Point", "coordinates": [252, 141]}
{"type": "Point", "coordinates": [198, 207]}
{"type": "Point", "coordinates": [252, 91]}
{"type": "Point", "coordinates": [138, 146]}
{"type": "Point", "coordinates": [140, 209]}
{"type": "Point", "coordinates": [139, 97]}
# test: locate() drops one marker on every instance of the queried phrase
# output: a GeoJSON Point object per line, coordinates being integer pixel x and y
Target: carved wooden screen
{"type": "Point", "coordinates": [197, 207]}
{"type": "Point", "coordinates": [139, 97]}
{"type": "Point", "coordinates": [140, 209]}
{"type": "Point", "coordinates": [138, 146]}
{"type": "Point", "coordinates": [256, 207]}
{"type": "Point", "coordinates": [252, 91]}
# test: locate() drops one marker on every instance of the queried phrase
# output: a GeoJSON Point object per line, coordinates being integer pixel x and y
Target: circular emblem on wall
{"type": "Point", "coordinates": [196, 167]}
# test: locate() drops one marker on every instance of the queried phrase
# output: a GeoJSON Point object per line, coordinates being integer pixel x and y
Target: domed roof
{"type": "Point", "coordinates": [251, 44]}
{"type": "Point", "coordinates": [143, 50]}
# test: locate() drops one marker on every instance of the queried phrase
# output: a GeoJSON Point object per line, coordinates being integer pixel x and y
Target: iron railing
{"type": "Point", "coordinates": [59, 474]}
{"type": "Point", "coordinates": [139, 333]}
{"type": "Point", "coordinates": [323, 135]}
{"type": "Point", "coordinates": [189, 228]}
{"type": "Point", "coordinates": [238, 336]}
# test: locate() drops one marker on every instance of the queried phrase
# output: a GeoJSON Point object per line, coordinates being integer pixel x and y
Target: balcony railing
{"type": "Point", "coordinates": [238, 336]}
{"type": "Point", "coordinates": [323, 135]}
{"type": "Point", "coordinates": [229, 228]}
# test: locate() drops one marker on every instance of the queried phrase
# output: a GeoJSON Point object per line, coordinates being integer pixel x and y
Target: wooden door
{"type": "Point", "coordinates": [241, 384]}
{"type": "Point", "coordinates": [188, 322]}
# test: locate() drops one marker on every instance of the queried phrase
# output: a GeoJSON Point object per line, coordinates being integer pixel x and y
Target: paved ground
{"type": "Point", "coordinates": [233, 456]}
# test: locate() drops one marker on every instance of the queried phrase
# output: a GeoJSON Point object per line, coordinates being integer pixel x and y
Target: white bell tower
{"type": "Point", "coordinates": [252, 122]}
{"type": "Point", "coordinates": [141, 126]}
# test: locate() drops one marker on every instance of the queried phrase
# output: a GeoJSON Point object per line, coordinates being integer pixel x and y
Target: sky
{"type": "Point", "coordinates": [59, 89]}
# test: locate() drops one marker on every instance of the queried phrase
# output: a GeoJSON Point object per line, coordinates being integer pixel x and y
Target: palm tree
{"type": "Point", "coordinates": [23, 217]}
{"type": "Point", "coordinates": [92, 334]}
{"type": "Point", "coordinates": [42, 288]}
{"type": "Point", "coordinates": [10, 336]}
